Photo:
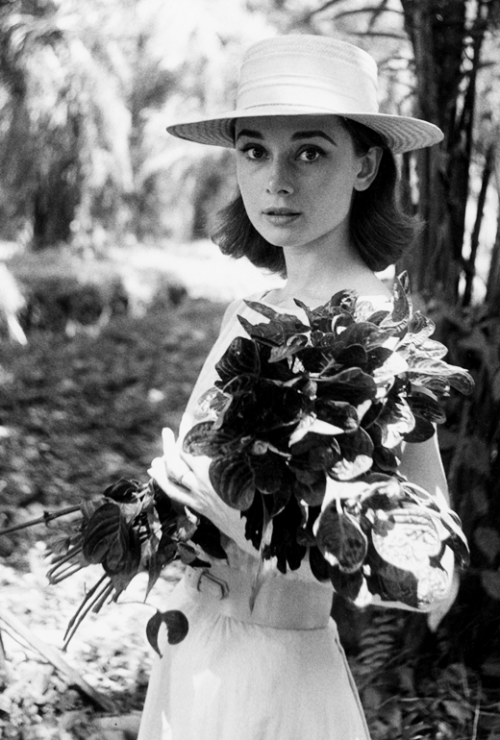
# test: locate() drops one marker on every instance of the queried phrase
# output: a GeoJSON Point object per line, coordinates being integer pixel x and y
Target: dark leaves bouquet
{"type": "Point", "coordinates": [305, 428]}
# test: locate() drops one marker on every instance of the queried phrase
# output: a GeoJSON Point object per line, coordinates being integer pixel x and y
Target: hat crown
{"type": "Point", "coordinates": [309, 72]}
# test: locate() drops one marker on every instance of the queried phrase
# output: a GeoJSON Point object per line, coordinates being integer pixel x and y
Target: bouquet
{"type": "Point", "coordinates": [305, 428]}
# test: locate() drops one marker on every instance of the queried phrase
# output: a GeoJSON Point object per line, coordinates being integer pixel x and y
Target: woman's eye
{"type": "Point", "coordinates": [310, 154]}
{"type": "Point", "coordinates": [253, 152]}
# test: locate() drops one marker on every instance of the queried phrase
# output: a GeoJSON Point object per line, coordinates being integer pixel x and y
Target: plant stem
{"type": "Point", "coordinates": [45, 519]}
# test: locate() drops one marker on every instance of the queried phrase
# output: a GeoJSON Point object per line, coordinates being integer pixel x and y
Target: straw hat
{"type": "Point", "coordinates": [310, 75]}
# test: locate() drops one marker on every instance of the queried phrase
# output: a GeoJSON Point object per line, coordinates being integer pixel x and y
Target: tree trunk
{"type": "Point", "coordinates": [440, 33]}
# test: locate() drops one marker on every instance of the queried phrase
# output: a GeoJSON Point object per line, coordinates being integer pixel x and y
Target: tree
{"type": "Point", "coordinates": [447, 40]}
{"type": "Point", "coordinates": [60, 101]}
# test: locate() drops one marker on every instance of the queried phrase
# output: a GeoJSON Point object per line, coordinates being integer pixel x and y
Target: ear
{"type": "Point", "coordinates": [368, 168]}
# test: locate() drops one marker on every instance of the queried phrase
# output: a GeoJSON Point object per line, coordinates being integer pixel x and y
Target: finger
{"type": "Point", "coordinates": [176, 466]}
{"type": "Point", "coordinates": [174, 490]}
{"type": "Point", "coordinates": [168, 438]}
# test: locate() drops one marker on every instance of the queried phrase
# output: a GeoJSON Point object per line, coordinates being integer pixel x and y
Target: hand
{"type": "Point", "coordinates": [185, 479]}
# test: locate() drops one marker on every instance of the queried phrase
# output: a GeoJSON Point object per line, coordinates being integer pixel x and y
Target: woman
{"type": "Point", "coordinates": [317, 203]}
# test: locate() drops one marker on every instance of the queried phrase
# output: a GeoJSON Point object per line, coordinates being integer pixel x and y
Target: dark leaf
{"type": "Point", "coordinates": [210, 404]}
{"type": "Point", "coordinates": [163, 554]}
{"type": "Point", "coordinates": [279, 499]}
{"type": "Point", "coordinates": [355, 355]}
{"type": "Point", "coordinates": [107, 538]}
{"type": "Point", "coordinates": [269, 470]}
{"type": "Point", "coordinates": [314, 359]}
{"type": "Point", "coordinates": [319, 566]}
{"type": "Point", "coordinates": [284, 545]}
{"type": "Point", "coordinates": [422, 431]}
{"type": "Point", "coordinates": [379, 316]}
{"type": "Point", "coordinates": [207, 536]}
{"type": "Point", "coordinates": [377, 357]}
{"type": "Point", "coordinates": [232, 477]}
{"type": "Point", "coordinates": [278, 316]}
{"type": "Point", "coordinates": [189, 555]}
{"type": "Point", "coordinates": [276, 406]}
{"type": "Point", "coordinates": [426, 406]}
{"type": "Point", "coordinates": [365, 335]}
{"type": "Point", "coordinates": [292, 346]}
{"type": "Point", "coordinates": [254, 517]}
{"type": "Point", "coordinates": [352, 386]}
{"type": "Point", "coordinates": [240, 358]}
{"type": "Point", "coordinates": [347, 585]}
{"type": "Point", "coordinates": [402, 309]}
{"type": "Point", "coordinates": [356, 456]}
{"type": "Point", "coordinates": [396, 421]}
{"type": "Point", "coordinates": [424, 369]}
{"type": "Point", "coordinates": [123, 491]}
{"type": "Point", "coordinates": [310, 488]}
{"type": "Point", "coordinates": [339, 413]}
{"type": "Point", "coordinates": [201, 440]}
{"type": "Point", "coordinates": [315, 452]}
{"type": "Point", "coordinates": [320, 318]}
{"type": "Point", "coordinates": [386, 460]}
{"type": "Point", "coordinates": [177, 628]}
{"type": "Point", "coordinates": [280, 327]}
{"type": "Point", "coordinates": [393, 584]}
{"type": "Point", "coordinates": [340, 539]}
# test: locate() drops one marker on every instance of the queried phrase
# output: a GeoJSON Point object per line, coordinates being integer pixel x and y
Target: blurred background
{"type": "Point", "coordinates": [111, 294]}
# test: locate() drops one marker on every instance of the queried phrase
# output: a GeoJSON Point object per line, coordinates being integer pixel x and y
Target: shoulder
{"type": "Point", "coordinates": [237, 306]}
{"type": "Point", "coordinates": [231, 311]}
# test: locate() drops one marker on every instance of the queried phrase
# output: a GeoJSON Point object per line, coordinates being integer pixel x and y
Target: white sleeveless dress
{"type": "Point", "coordinates": [276, 672]}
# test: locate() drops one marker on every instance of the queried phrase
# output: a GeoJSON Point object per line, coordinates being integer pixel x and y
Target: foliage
{"type": "Point", "coordinates": [64, 138]}
{"type": "Point", "coordinates": [469, 444]}
{"type": "Point", "coordinates": [136, 528]}
{"type": "Point", "coordinates": [300, 404]}
{"type": "Point", "coordinates": [419, 693]}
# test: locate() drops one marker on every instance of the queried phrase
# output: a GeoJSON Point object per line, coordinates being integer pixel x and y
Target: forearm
{"type": "Point", "coordinates": [421, 464]}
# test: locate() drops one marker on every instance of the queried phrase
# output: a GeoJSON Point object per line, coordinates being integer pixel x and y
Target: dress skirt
{"type": "Point", "coordinates": [273, 671]}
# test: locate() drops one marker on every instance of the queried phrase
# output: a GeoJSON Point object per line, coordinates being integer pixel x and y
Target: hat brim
{"type": "Point", "coordinates": [401, 133]}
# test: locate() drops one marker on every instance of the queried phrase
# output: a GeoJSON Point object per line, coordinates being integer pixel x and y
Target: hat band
{"type": "Point", "coordinates": [304, 92]}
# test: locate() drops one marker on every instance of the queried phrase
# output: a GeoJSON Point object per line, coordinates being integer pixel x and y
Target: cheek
{"type": "Point", "coordinates": [247, 187]}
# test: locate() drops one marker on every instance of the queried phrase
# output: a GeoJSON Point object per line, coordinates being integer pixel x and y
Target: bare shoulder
{"type": "Point", "coordinates": [231, 311]}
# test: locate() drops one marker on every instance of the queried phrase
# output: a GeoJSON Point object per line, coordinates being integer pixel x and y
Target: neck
{"type": "Point", "coordinates": [314, 274]}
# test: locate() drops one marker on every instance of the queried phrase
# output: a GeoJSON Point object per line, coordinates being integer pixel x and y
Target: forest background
{"type": "Point", "coordinates": [111, 294]}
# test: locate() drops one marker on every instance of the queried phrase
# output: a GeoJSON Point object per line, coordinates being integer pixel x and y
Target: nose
{"type": "Point", "coordinates": [280, 181]}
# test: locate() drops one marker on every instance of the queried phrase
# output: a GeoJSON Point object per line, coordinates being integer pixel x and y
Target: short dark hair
{"type": "Point", "coordinates": [380, 228]}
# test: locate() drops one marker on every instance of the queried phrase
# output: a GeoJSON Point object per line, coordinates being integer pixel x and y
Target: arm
{"type": "Point", "coordinates": [421, 464]}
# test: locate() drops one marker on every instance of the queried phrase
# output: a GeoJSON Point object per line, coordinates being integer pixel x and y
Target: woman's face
{"type": "Point", "coordinates": [297, 176]}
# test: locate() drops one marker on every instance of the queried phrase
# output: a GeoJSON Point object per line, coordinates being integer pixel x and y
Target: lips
{"type": "Point", "coordinates": [280, 212]}
{"type": "Point", "coordinates": [280, 216]}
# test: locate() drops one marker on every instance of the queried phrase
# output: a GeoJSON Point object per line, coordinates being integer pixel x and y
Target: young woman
{"type": "Point", "coordinates": [318, 204]}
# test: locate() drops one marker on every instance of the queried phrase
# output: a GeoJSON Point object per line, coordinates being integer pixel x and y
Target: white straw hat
{"type": "Point", "coordinates": [310, 75]}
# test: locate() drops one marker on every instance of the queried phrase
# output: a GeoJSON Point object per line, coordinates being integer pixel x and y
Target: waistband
{"type": "Point", "coordinates": [281, 603]}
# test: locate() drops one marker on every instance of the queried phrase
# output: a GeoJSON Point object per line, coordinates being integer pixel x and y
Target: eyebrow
{"type": "Point", "coordinates": [296, 136]}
